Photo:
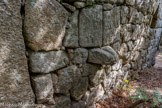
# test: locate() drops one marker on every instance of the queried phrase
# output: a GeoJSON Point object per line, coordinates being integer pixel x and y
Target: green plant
{"type": "Point", "coordinates": [143, 94]}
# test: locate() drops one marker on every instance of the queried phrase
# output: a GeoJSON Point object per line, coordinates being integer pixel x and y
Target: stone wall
{"type": "Point", "coordinates": [78, 51]}
{"type": "Point", "coordinates": [155, 34]}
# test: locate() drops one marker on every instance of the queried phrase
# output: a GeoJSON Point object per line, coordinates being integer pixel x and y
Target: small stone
{"type": "Point", "coordinates": [69, 1]}
{"type": "Point", "coordinates": [62, 102]}
{"type": "Point", "coordinates": [130, 45]}
{"type": "Point", "coordinates": [80, 56]}
{"type": "Point", "coordinates": [90, 69]}
{"type": "Point", "coordinates": [107, 7]}
{"type": "Point", "coordinates": [69, 7]}
{"type": "Point", "coordinates": [117, 65]}
{"type": "Point", "coordinates": [130, 2]}
{"type": "Point", "coordinates": [86, 96]}
{"type": "Point", "coordinates": [43, 88]}
{"type": "Point", "coordinates": [105, 55]}
{"type": "Point", "coordinates": [66, 79]}
{"type": "Point", "coordinates": [79, 90]}
{"type": "Point", "coordinates": [123, 50]}
{"type": "Point", "coordinates": [124, 14]}
{"type": "Point", "coordinates": [96, 94]}
{"type": "Point", "coordinates": [79, 4]}
{"type": "Point", "coordinates": [90, 2]}
{"type": "Point", "coordinates": [98, 77]}
{"type": "Point", "coordinates": [80, 104]}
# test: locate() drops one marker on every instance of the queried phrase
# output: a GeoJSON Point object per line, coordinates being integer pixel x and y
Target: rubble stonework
{"type": "Point", "coordinates": [79, 51]}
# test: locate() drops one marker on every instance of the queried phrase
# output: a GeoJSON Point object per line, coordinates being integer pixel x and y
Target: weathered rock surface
{"type": "Point", "coordinates": [111, 22]}
{"type": "Point", "coordinates": [45, 62]}
{"type": "Point", "coordinates": [66, 79]}
{"type": "Point", "coordinates": [43, 88]}
{"type": "Point", "coordinates": [98, 77]}
{"type": "Point", "coordinates": [44, 24]}
{"type": "Point", "coordinates": [103, 40]}
{"type": "Point", "coordinates": [80, 56]}
{"type": "Point", "coordinates": [79, 90]}
{"type": "Point", "coordinates": [96, 94]}
{"type": "Point", "coordinates": [62, 102]}
{"type": "Point", "coordinates": [90, 69]}
{"type": "Point", "coordinates": [71, 36]}
{"type": "Point", "coordinates": [14, 77]}
{"type": "Point", "coordinates": [90, 20]}
{"type": "Point", "coordinates": [105, 55]}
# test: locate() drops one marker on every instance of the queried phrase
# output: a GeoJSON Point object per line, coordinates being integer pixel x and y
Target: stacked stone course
{"type": "Point", "coordinates": [86, 47]}
{"type": "Point", "coordinates": [79, 51]}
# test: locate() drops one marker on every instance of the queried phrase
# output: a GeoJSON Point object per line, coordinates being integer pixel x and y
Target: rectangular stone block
{"type": "Point", "coordinates": [90, 27]}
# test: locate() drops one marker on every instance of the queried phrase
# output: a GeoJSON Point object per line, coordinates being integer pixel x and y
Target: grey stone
{"type": "Point", "coordinates": [71, 35]}
{"type": "Point", "coordinates": [110, 80]}
{"type": "Point", "coordinates": [111, 51]}
{"type": "Point", "coordinates": [135, 16]}
{"type": "Point", "coordinates": [108, 1]}
{"type": "Point", "coordinates": [117, 65]}
{"type": "Point", "coordinates": [43, 88]}
{"type": "Point", "coordinates": [105, 55]}
{"type": "Point", "coordinates": [90, 2]}
{"type": "Point", "coordinates": [111, 22]}
{"type": "Point", "coordinates": [79, 90]}
{"type": "Point", "coordinates": [86, 96]}
{"type": "Point", "coordinates": [130, 45]}
{"type": "Point", "coordinates": [116, 46]}
{"type": "Point", "coordinates": [96, 94]}
{"type": "Point", "coordinates": [80, 104]}
{"type": "Point", "coordinates": [69, 7]}
{"type": "Point", "coordinates": [90, 69]}
{"type": "Point", "coordinates": [69, 1]}
{"type": "Point", "coordinates": [128, 32]}
{"type": "Point", "coordinates": [15, 84]}
{"type": "Point", "coordinates": [79, 4]}
{"type": "Point", "coordinates": [107, 7]}
{"type": "Point", "coordinates": [90, 20]}
{"type": "Point", "coordinates": [124, 14]}
{"type": "Point", "coordinates": [62, 102]}
{"type": "Point", "coordinates": [97, 78]}
{"type": "Point", "coordinates": [45, 62]}
{"type": "Point", "coordinates": [130, 2]}
{"type": "Point", "coordinates": [80, 56]}
{"type": "Point", "coordinates": [123, 50]}
{"type": "Point", "coordinates": [120, 1]}
{"type": "Point", "coordinates": [66, 79]}
{"type": "Point", "coordinates": [44, 24]}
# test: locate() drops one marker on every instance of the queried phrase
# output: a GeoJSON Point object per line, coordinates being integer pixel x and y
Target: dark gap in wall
{"type": "Point", "coordinates": [155, 18]}
{"type": "Point", "coordinates": [22, 12]}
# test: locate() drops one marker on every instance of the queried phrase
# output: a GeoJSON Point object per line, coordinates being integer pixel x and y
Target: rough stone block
{"type": "Point", "coordinates": [45, 62]}
{"type": "Point", "coordinates": [44, 24]}
{"type": "Point", "coordinates": [43, 88]}
{"type": "Point", "coordinates": [90, 20]}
